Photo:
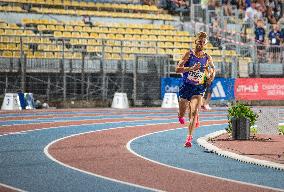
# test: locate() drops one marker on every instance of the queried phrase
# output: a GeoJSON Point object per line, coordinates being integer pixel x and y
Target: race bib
{"type": "Point", "coordinates": [273, 40]}
{"type": "Point", "coordinates": [260, 37]}
{"type": "Point", "coordinates": [196, 77]}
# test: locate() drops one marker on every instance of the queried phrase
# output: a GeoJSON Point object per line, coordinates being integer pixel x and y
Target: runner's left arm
{"type": "Point", "coordinates": [212, 70]}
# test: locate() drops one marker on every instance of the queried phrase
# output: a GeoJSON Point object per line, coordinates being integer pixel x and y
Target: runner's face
{"type": "Point", "coordinates": [200, 43]}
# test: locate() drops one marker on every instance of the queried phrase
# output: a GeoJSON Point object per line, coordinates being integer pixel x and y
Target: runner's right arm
{"type": "Point", "coordinates": [180, 68]}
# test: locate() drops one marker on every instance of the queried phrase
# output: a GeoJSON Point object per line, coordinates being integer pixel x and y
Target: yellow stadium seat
{"type": "Point", "coordinates": [126, 50]}
{"type": "Point", "coordinates": [110, 36]}
{"type": "Point", "coordinates": [153, 38]}
{"type": "Point", "coordinates": [136, 37]}
{"type": "Point", "coordinates": [91, 49]}
{"type": "Point", "coordinates": [51, 27]}
{"type": "Point", "coordinates": [169, 44]}
{"type": "Point", "coordinates": [16, 54]}
{"type": "Point", "coordinates": [87, 29]}
{"type": "Point", "coordinates": [108, 49]}
{"type": "Point", "coordinates": [115, 56]}
{"type": "Point", "coordinates": [85, 35]}
{"type": "Point", "coordinates": [152, 50]}
{"type": "Point", "coordinates": [83, 41]}
{"type": "Point", "coordinates": [78, 28]}
{"type": "Point", "coordinates": [58, 34]}
{"type": "Point", "coordinates": [161, 44]}
{"type": "Point", "coordinates": [77, 55]}
{"type": "Point", "coordinates": [59, 28]}
{"type": "Point", "coordinates": [68, 55]}
{"type": "Point", "coordinates": [170, 38]}
{"type": "Point", "coordinates": [12, 47]}
{"type": "Point", "coordinates": [103, 36]}
{"type": "Point", "coordinates": [94, 35]}
{"type": "Point", "coordinates": [108, 56]}
{"type": "Point", "coordinates": [74, 41]}
{"type": "Point", "coordinates": [7, 54]}
{"type": "Point", "coordinates": [161, 38]}
{"type": "Point", "coordinates": [121, 30]}
{"type": "Point", "coordinates": [137, 31]}
{"type": "Point", "coordinates": [169, 51]}
{"type": "Point", "coordinates": [135, 50]}
{"type": "Point", "coordinates": [3, 46]}
{"type": "Point", "coordinates": [68, 28]}
{"type": "Point", "coordinates": [143, 50]}
{"type": "Point", "coordinates": [178, 45]}
{"type": "Point", "coordinates": [112, 30]}
{"type": "Point", "coordinates": [161, 51]}
{"type": "Point", "coordinates": [48, 55]}
{"type": "Point", "coordinates": [58, 55]}
{"type": "Point", "coordinates": [126, 57]}
{"type": "Point", "coordinates": [177, 57]}
{"type": "Point", "coordinates": [145, 37]}
{"type": "Point", "coordinates": [38, 54]}
{"type": "Point", "coordinates": [128, 37]}
{"type": "Point", "coordinates": [129, 31]}
{"type": "Point", "coordinates": [41, 27]}
{"type": "Point", "coordinates": [116, 49]}
{"type": "Point", "coordinates": [119, 36]}
{"type": "Point", "coordinates": [67, 34]}
{"type": "Point", "coordinates": [12, 26]}
{"type": "Point", "coordinates": [74, 34]}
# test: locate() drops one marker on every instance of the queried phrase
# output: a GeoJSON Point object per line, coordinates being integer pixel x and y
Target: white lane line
{"type": "Point", "coordinates": [91, 173]}
{"type": "Point", "coordinates": [84, 124]}
{"type": "Point", "coordinates": [13, 188]}
{"type": "Point", "coordinates": [100, 117]}
{"type": "Point", "coordinates": [190, 171]}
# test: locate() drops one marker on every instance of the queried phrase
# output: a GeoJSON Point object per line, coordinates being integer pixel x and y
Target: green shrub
{"type": "Point", "coordinates": [281, 129]}
{"type": "Point", "coordinates": [239, 110]}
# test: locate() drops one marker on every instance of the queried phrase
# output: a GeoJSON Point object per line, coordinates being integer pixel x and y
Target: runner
{"type": "Point", "coordinates": [195, 66]}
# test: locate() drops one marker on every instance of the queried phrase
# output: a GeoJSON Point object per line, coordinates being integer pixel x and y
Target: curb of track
{"type": "Point", "coordinates": [203, 142]}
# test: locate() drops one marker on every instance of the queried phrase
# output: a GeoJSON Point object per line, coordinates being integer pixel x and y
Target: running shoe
{"type": "Point", "coordinates": [207, 107]}
{"type": "Point", "coordinates": [181, 120]}
{"type": "Point", "coordinates": [188, 141]}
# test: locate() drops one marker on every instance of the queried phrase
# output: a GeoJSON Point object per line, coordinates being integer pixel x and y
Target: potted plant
{"type": "Point", "coordinates": [240, 118]}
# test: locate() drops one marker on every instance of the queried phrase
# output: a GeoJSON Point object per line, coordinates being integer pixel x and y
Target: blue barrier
{"type": "Point", "coordinates": [222, 88]}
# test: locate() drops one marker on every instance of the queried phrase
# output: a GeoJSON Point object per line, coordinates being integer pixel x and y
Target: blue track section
{"type": "Point", "coordinates": [170, 151]}
{"type": "Point", "coordinates": [24, 164]}
{"type": "Point", "coordinates": [80, 118]}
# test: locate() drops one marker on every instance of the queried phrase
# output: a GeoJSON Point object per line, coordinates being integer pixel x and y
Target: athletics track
{"type": "Point", "coordinates": [139, 149]}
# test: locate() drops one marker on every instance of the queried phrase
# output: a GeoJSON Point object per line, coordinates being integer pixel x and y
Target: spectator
{"type": "Point", "coordinates": [204, 7]}
{"type": "Point", "coordinates": [260, 39]}
{"type": "Point", "coordinates": [227, 7]}
{"type": "Point", "coordinates": [270, 16]}
{"type": "Point", "coordinates": [274, 39]}
{"type": "Point", "coordinates": [241, 5]}
{"type": "Point", "coordinates": [274, 10]}
{"type": "Point", "coordinates": [87, 20]}
{"type": "Point", "coordinates": [179, 6]}
{"type": "Point", "coordinates": [215, 38]}
{"type": "Point", "coordinates": [250, 13]}
{"type": "Point", "coordinates": [259, 12]}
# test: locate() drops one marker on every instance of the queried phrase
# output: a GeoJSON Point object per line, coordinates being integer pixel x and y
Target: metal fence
{"type": "Point", "coordinates": [83, 75]}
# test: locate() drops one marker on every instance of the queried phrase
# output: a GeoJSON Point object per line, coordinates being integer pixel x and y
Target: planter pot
{"type": "Point", "coordinates": [240, 128]}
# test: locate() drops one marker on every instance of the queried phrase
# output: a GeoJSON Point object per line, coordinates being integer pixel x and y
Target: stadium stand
{"type": "Point", "coordinates": [61, 35]}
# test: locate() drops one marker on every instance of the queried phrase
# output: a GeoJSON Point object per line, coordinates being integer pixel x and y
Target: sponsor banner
{"type": "Point", "coordinates": [259, 89]}
{"type": "Point", "coordinates": [169, 85]}
{"type": "Point", "coordinates": [222, 88]}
